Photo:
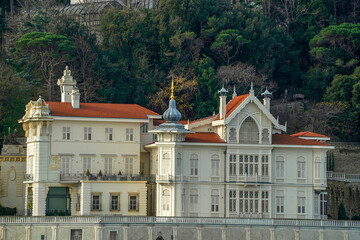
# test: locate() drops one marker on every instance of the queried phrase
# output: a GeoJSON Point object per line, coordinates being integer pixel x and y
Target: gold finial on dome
{"type": "Point", "coordinates": [172, 87]}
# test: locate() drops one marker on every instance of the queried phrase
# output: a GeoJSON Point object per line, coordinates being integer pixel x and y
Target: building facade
{"type": "Point", "coordinates": [237, 164]}
{"type": "Point", "coordinates": [116, 159]}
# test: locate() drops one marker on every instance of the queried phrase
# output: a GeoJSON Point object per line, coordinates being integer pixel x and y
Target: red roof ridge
{"type": "Point", "coordinates": [233, 104]}
{"type": "Point", "coordinates": [100, 110]}
{"type": "Point", "coordinates": [308, 134]}
{"type": "Point", "coordinates": [201, 119]}
{"type": "Point", "coordinates": [204, 137]}
{"type": "Point", "coordinates": [285, 139]}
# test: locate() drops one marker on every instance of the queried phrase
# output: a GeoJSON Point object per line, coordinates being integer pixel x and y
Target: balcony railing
{"type": "Point", "coordinates": [179, 221]}
{"type": "Point", "coordinates": [343, 177]}
{"type": "Point", "coordinates": [249, 178]}
{"type": "Point", "coordinates": [106, 177]}
{"type": "Point", "coordinates": [28, 177]}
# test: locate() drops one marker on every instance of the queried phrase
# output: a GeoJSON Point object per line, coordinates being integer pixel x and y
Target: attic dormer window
{"type": "Point", "coordinates": [249, 132]}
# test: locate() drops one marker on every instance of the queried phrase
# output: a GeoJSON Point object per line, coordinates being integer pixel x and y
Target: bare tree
{"type": "Point", "coordinates": [241, 75]}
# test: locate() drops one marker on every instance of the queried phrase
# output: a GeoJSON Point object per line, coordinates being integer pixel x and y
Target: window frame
{"type": "Point", "coordinates": [66, 133]}
{"type": "Point", "coordinates": [114, 194]}
{"type": "Point", "coordinates": [129, 134]}
{"type": "Point", "coordinates": [136, 195]}
{"type": "Point", "coordinates": [280, 204]}
{"type": "Point", "coordinates": [88, 134]}
{"type": "Point", "coordinates": [96, 194]}
{"type": "Point", "coordinates": [109, 134]}
{"type": "Point", "coordinates": [194, 165]}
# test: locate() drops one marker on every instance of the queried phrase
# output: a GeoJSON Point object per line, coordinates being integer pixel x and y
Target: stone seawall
{"type": "Point", "coordinates": [150, 228]}
{"type": "Point", "coordinates": [346, 157]}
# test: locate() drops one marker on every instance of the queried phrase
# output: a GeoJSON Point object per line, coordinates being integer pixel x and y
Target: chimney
{"type": "Point", "coordinates": [66, 83]}
{"type": "Point", "coordinates": [267, 97]}
{"type": "Point", "coordinates": [222, 110]}
{"type": "Point", "coordinates": [75, 98]}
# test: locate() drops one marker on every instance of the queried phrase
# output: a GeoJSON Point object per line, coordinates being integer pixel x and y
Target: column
{"type": "Point", "coordinates": [53, 232]}
{"type": "Point", "coordinates": [85, 204]}
{"type": "Point", "coordinates": [150, 230]}
{"type": "Point", "coordinates": [321, 234]}
{"type": "Point", "coordinates": [98, 233]}
{"type": "Point", "coordinates": [199, 237]}
{"type": "Point", "coordinates": [296, 230]}
{"type": "Point", "coordinates": [223, 233]}
{"type": "Point", "coordinates": [27, 233]}
{"type": "Point", "coordinates": [272, 233]}
{"type": "Point", "coordinates": [26, 200]}
{"type": "Point", "coordinates": [247, 230]}
{"type": "Point", "coordinates": [39, 202]}
{"type": "Point", "coordinates": [175, 233]}
{"type": "Point", "coordinates": [125, 232]}
{"type": "Point", "coordinates": [2, 233]}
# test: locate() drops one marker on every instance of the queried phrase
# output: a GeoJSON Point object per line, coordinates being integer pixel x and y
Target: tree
{"type": "Point", "coordinates": [44, 53]}
{"type": "Point", "coordinates": [342, 212]}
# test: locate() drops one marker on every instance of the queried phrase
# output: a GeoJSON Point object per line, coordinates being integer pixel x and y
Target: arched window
{"type": "Point", "coordinates": [265, 136]}
{"type": "Point", "coordinates": [193, 200]}
{"type": "Point", "coordinates": [249, 132]}
{"type": "Point", "coordinates": [165, 163]}
{"type": "Point", "coordinates": [317, 167]}
{"type": "Point", "coordinates": [232, 135]}
{"type": "Point", "coordinates": [194, 165]}
{"type": "Point", "coordinates": [215, 165]}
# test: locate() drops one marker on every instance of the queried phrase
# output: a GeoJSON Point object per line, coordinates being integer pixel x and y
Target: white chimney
{"type": "Point", "coordinates": [75, 98]}
{"type": "Point", "coordinates": [267, 97]}
{"type": "Point", "coordinates": [222, 110]}
{"type": "Point", "coordinates": [66, 83]}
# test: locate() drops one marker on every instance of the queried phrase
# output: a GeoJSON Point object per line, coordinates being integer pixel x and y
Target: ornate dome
{"type": "Point", "coordinates": [172, 115]}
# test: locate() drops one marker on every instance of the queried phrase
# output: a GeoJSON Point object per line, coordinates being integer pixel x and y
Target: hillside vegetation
{"type": "Point", "coordinates": [309, 47]}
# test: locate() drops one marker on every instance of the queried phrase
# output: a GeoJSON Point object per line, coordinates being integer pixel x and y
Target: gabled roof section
{"type": "Point", "coordinates": [309, 134]}
{"type": "Point", "coordinates": [203, 137]}
{"type": "Point", "coordinates": [233, 104]}
{"type": "Point", "coordinates": [100, 110]}
{"type": "Point", "coordinates": [284, 139]}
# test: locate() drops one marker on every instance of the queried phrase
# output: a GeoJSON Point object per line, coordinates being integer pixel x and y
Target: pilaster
{"type": "Point", "coordinates": [175, 233]}
{"type": "Point", "coordinates": [223, 233]}
{"type": "Point", "coordinates": [39, 199]}
{"type": "Point", "coordinates": [296, 231]}
{"type": "Point", "coordinates": [150, 231]}
{"type": "Point", "coordinates": [54, 232]}
{"type": "Point", "coordinates": [28, 233]}
{"type": "Point", "coordinates": [321, 234]}
{"type": "Point", "coordinates": [247, 230]}
{"type": "Point", "coordinates": [125, 228]}
{"type": "Point", "coordinates": [272, 233]}
{"type": "Point", "coordinates": [98, 233]}
{"type": "Point", "coordinates": [85, 199]}
{"type": "Point", "coordinates": [199, 233]}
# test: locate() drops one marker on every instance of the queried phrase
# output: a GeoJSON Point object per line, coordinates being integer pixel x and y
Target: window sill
{"type": "Point", "coordinates": [133, 211]}
{"type": "Point", "coordinates": [96, 210]}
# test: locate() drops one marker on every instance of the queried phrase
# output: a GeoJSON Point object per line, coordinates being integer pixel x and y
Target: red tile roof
{"type": "Point", "coordinates": [285, 139]}
{"type": "Point", "coordinates": [204, 137]}
{"type": "Point", "coordinates": [233, 104]}
{"type": "Point", "coordinates": [201, 119]}
{"type": "Point", "coordinates": [308, 134]}
{"type": "Point", "coordinates": [157, 122]}
{"type": "Point", "coordinates": [100, 110]}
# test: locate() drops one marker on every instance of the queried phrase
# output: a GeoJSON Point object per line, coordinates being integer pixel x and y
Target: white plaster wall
{"type": "Point", "coordinates": [124, 188]}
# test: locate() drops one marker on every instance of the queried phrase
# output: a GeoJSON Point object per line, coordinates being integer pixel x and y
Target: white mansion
{"type": "Point", "coordinates": [109, 159]}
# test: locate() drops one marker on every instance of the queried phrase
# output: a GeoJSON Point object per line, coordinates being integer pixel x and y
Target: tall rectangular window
{"type": "Point", "coordinates": [183, 200]}
{"type": "Point", "coordinates": [301, 204]}
{"type": "Point", "coordinates": [323, 203]}
{"type": "Point", "coordinates": [317, 168]}
{"type": "Point", "coordinates": [215, 165]}
{"type": "Point", "coordinates": [66, 133]}
{"type": "Point", "coordinates": [194, 164]}
{"type": "Point", "coordinates": [248, 201]}
{"type": "Point", "coordinates": [96, 201]}
{"type": "Point", "coordinates": [114, 201]}
{"type": "Point", "coordinates": [129, 166]}
{"type": "Point", "coordinates": [108, 134]}
{"type": "Point", "coordinates": [265, 201]}
{"type": "Point", "coordinates": [87, 133]}
{"type": "Point", "coordinates": [65, 165]}
{"type": "Point", "coordinates": [316, 204]}
{"type": "Point", "coordinates": [265, 165]}
{"type": "Point", "coordinates": [193, 200]}
{"type": "Point", "coordinates": [232, 165]}
{"type": "Point", "coordinates": [113, 235]}
{"type": "Point", "coordinates": [133, 202]}
{"type": "Point", "coordinates": [214, 203]}
{"type": "Point", "coordinates": [280, 169]}
{"type": "Point", "coordinates": [108, 165]}
{"type": "Point", "coordinates": [86, 164]}
{"type": "Point", "coordinates": [301, 169]}
{"type": "Point", "coordinates": [280, 204]}
{"type": "Point", "coordinates": [130, 134]}
{"type": "Point", "coordinates": [145, 127]}
{"type": "Point", "coordinates": [232, 201]}
{"type": "Point", "coordinates": [178, 164]}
